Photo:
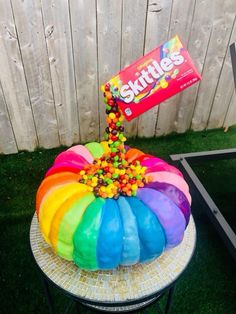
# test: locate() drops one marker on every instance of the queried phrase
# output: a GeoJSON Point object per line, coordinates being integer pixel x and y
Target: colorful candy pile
{"type": "Point", "coordinates": [112, 175]}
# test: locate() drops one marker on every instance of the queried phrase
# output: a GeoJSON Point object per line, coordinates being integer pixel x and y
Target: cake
{"type": "Point", "coordinates": [102, 205]}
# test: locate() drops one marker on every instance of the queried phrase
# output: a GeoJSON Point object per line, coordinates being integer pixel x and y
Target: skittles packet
{"type": "Point", "coordinates": [160, 74]}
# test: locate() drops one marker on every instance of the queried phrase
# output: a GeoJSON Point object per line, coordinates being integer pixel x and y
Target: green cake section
{"type": "Point", "coordinates": [69, 224]}
{"type": "Point", "coordinates": [86, 235]}
{"type": "Point", "coordinates": [95, 149]}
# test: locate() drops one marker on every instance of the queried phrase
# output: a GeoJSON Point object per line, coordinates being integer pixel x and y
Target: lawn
{"type": "Point", "coordinates": [207, 286]}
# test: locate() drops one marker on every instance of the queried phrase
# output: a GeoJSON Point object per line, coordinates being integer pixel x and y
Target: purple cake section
{"type": "Point", "coordinates": [168, 214]}
{"type": "Point", "coordinates": [175, 195]}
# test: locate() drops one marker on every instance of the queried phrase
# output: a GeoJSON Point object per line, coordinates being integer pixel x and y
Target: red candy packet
{"type": "Point", "coordinates": [160, 74]}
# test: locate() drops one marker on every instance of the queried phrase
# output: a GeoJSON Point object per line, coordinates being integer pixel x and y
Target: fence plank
{"type": "Point", "coordinates": [59, 44]}
{"type": "Point", "coordinates": [225, 88]}
{"type": "Point", "coordinates": [13, 81]}
{"type": "Point", "coordinates": [133, 31]}
{"type": "Point", "coordinates": [197, 47]}
{"type": "Point", "coordinates": [158, 17]}
{"type": "Point", "coordinates": [83, 24]}
{"type": "Point", "coordinates": [109, 46]}
{"type": "Point", "coordinates": [28, 19]}
{"type": "Point", "coordinates": [180, 23]}
{"type": "Point", "coordinates": [7, 139]}
{"type": "Point", "coordinates": [230, 118]}
{"type": "Point", "coordinates": [224, 14]}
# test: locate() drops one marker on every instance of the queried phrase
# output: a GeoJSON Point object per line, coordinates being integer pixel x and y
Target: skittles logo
{"type": "Point", "coordinates": [148, 76]}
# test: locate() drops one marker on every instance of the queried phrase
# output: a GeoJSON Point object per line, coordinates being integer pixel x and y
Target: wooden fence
{"type": "Point", "coordinates": [54, 55]}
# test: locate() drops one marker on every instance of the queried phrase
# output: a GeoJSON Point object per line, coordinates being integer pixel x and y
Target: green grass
{"type": "Point", "coordinates": [207, 286]}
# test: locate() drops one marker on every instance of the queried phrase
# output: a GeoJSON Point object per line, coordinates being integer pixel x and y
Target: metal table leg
{"type": "Point", "coordinates": [169, 299]}
{"type": "Point", "coordinates": [48, 295]}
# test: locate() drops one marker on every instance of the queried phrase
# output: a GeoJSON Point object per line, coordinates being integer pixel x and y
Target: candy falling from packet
{"type": "Point", "coordinates": [112, 174]}
{"type": "Point", "coordinates": [160, 74]}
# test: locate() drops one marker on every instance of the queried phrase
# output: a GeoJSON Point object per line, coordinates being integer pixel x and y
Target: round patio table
{"type": "Point", "coordinates": [124, 289]}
